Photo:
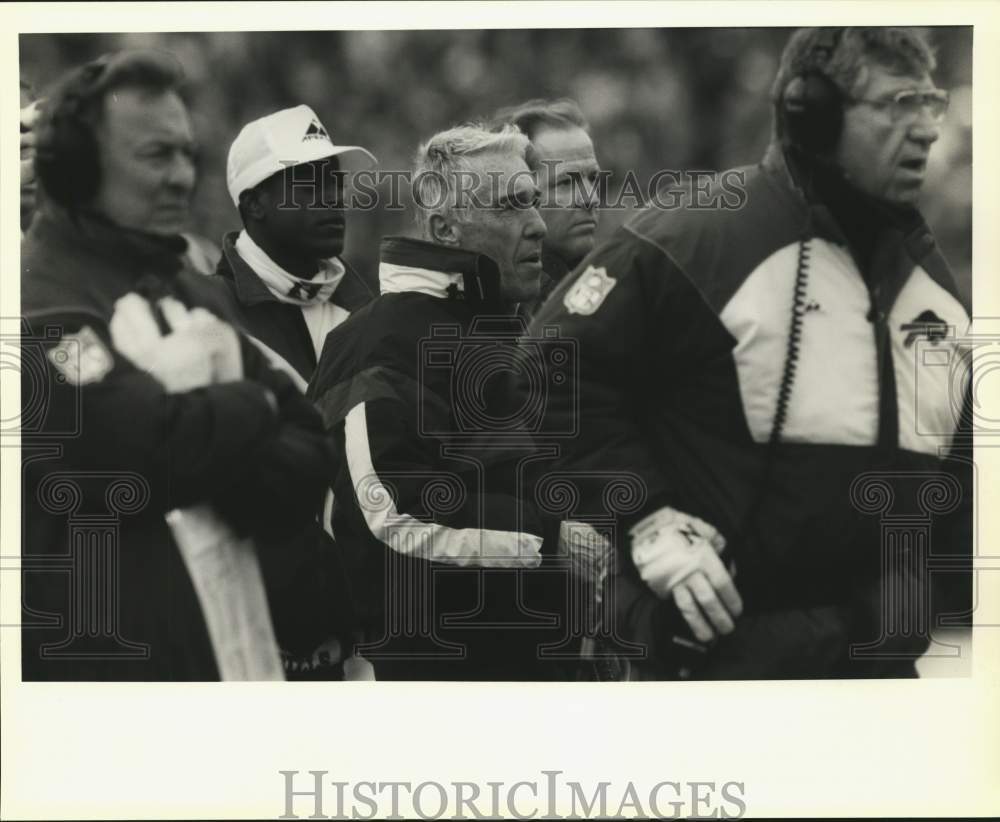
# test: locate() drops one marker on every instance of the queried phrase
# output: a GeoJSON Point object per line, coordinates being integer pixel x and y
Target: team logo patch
{"type": "Point", "coordinates": [316, 132]}
{"type": "Point", "coordinates": [589, 291]}
{"type": "Point", "coordinates": [81, 357]}
{"type": "Point", "coordinates": [926, 324]}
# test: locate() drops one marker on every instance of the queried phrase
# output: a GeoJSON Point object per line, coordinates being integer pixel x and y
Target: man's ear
{"type": "Point", "coordinates": [251, 204]}
{"type": "Point", "coordinates": [444, 231]}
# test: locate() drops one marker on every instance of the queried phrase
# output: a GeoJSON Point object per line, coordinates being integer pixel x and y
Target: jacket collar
{"type": "Point", "coordinates": [447, 273]}
{"type": "Point", "coordinates": [917, 239]}
{"type": "Point", "coordinates": [134, 251]}
{"type": "Point", "coordinates": [351, 294]}
{"type": "Point", "coordinates": [904, 230]}
{"type": "Point", "coordinates": [554, 266]}
{"type": "Point", "coordinates": [250, 288]}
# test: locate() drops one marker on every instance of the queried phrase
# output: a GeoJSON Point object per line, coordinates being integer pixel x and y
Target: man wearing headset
{"type": "Point", "coordinates": [756, 365]}
{"type": "Point", "coordinates": [149, 409]}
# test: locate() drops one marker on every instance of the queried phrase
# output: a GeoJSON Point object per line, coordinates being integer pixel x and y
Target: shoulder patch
{"type": "Point", "coordinates": [81, 357]}
{"type": "Point", "coordinates": [589, 291]}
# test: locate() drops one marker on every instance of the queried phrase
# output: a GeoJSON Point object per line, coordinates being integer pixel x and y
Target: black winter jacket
{"type": "Point", "coordinates": [433, 494]}
{"type": "Point", "coordinates": [107, 452]}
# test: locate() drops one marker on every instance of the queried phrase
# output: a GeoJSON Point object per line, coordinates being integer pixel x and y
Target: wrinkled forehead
{"type": "Point", "coordinates": [570, 145]}
{"type": "Point", "coordinates": [564, 151]}
{"type": "Point", "coordinates": [496, 175]}
{"type": "Point", "coordinates": [133, 113]}
{"type": "Point", "coordinates": [876, 82]}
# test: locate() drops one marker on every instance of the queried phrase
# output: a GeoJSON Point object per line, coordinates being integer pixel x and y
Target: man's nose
{"type": "Point", "coordinates": [925, 129]}
{"type": "Point", "coordinates": [182, 174]}
{"type": "Point", "coordinates": [331, 194]}
{"type": "Point", "coordinates": [585, 196]}
{"type": "Point", "coordinates": [534, 228]}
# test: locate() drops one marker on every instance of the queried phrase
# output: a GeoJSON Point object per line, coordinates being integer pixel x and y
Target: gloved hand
{"type": "Point", "coordinates": [677, 555]}
{"type": "Point", "coordinates": [216, 336]}
{"type": "Point", "coordinates": [200, 349]}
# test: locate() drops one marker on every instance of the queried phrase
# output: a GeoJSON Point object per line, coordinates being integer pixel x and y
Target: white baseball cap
{"type": "Point", "coordinates": [282, 140]}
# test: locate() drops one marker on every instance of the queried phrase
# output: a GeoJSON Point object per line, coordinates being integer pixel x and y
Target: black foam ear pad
{"type": "Point", "coordinates": [66, 161]}
{"type": "Point", "coordinates": [66, 158]}
{"type": "Point", "coordinates": [812, 107]}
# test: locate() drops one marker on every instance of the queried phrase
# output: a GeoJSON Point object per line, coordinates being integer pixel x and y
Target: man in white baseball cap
{"type": "Point", "coordinates": [286, 177]}
{"type": "Point", "coordinates": [289, 288]}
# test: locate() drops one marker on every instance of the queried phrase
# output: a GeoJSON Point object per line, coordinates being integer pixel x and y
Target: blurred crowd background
{"type": "Point", "coordinates": [655, 99]}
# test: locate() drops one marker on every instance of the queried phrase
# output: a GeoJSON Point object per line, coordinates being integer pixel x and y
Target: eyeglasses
{"type": "Point", "coordinates": [909, 104]}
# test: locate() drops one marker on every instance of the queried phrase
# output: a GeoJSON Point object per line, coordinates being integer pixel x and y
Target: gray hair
{"type": "Point", "coordinates": [445, 157]}
{"type": "Point", "coordinates": [898, 50]}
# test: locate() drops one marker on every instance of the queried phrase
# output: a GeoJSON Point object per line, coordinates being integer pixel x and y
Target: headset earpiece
{"type": "Point", "coordinates": [66, 158]}
{"type": "Point", "coordinates": [812, 107]}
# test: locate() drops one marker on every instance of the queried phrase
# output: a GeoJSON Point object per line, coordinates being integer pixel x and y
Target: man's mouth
{"type": "Point", "coordinates": [914, 165]}
{"type": "Point", "coordinates": [534, 258]}
{"type": "Point", "coordinates": [172, 210]}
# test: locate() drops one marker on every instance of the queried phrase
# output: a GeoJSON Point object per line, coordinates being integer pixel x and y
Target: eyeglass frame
{"type": "Point", "coordinates": [928, 98]}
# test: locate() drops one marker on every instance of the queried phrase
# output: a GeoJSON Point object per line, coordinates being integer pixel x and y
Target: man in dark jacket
{"type": "Point", "coordinates": [289, 283]}
{"type": "Point", "coordinates": [757, 364]}
{"type": "Point", "coordinates": [157, 442]}
{"type": "Point", "coordinates": [433, 495]}
{"type": "Point", "coordinates": [288, 288]}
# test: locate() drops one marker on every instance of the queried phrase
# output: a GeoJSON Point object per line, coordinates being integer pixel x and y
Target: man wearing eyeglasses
{"type": "Point", "coordinates": [888, 133]}
{"type": "Point", "coordinates": [757, 366]}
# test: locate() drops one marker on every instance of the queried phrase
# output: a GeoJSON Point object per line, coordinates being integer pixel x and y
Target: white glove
{"type": "Point", "coordinates": [217, 337]}
{"type": "Point", "coordinates": [199, 350]}
{"type": "Point", "coordinates": [676, 555]}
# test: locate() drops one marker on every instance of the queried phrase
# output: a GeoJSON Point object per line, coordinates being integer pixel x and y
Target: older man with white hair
{"type": "Point", "coordinates": [431, 504]}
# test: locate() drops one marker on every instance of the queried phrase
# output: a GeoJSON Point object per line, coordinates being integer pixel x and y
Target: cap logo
{"type": "Point", "coordinates": [316, 131]}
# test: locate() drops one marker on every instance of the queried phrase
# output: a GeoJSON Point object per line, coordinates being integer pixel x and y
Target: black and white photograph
{"type": "Point", "coordinates": [631, 366]}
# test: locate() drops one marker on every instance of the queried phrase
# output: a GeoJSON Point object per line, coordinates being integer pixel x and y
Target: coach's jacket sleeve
{"type": "Point", "coordinates": [416, 497]}
{"type": "Point", "coordinates": [629, 310]}
{"type": "Point", "coordinates": [615, 308]}
{"type": "Point", "coordinates": [253, 447]}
